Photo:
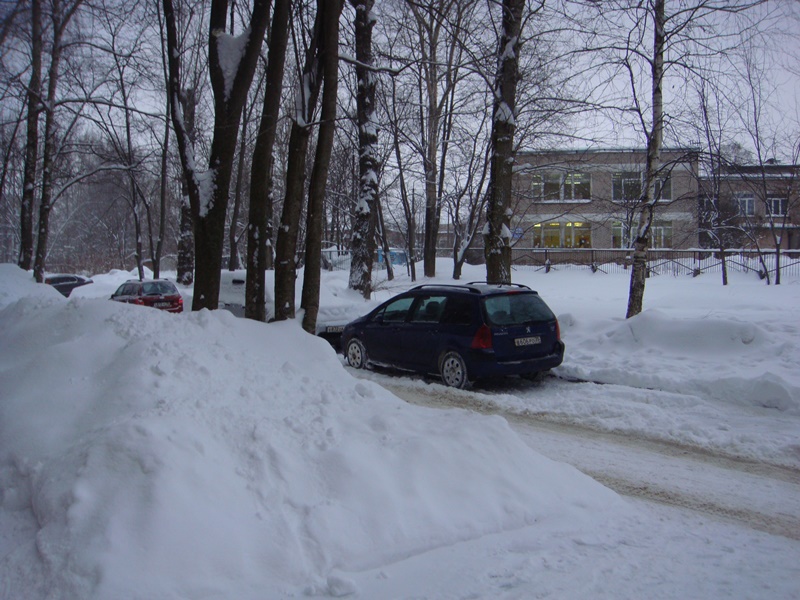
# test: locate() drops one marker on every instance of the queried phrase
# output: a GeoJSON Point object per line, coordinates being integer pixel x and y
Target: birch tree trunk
{"type": "Point", "coordinates": [649, 200]}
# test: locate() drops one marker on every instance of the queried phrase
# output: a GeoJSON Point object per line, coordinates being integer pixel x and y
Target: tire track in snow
{"type": "Point", "coordinates": [672, 474]}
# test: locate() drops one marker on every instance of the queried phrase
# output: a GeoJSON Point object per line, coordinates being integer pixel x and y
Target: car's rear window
{"type": "Point", "coordinates": [158, 288]}
{"type": "Point", "coordinates": [516, 309]}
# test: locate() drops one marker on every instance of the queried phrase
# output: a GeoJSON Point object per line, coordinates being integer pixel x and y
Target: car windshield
{"type": "Point", "coordinates": [516, 309]}
{"type": "Point", "coordinates": [158, 288]}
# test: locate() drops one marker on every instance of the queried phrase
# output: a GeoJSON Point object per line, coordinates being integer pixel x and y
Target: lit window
{"type": "Point", "coordinates": [562, 235]}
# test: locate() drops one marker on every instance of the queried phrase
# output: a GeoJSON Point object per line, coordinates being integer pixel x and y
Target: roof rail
{"type": "Point", "coordinates": [447, 285]}
{"type": "Point", "coordinates": [519, 285]}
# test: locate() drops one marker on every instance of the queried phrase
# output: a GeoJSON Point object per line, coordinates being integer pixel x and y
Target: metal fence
{"type": "Point", "coordinates": [659, 262]}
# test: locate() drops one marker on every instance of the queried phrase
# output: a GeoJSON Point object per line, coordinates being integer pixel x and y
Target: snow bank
{"type": "Point", "coordinates": [200, 455]}
{"type": "Point", "coordinates": [724, 358]}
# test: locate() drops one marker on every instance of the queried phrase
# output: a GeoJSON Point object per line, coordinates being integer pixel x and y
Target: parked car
{"type": "Point", "coordinates": [65, 283]}
{"type": "Point", "coordinates": [158, 293]}
{"type": "Point", "coordinates": [461, 332]}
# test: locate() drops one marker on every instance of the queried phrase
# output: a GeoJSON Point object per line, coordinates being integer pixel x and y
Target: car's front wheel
{"type": "Point", "coordinates": [453, 370]}
{"type": "Point", "coordinates": [356, 354]}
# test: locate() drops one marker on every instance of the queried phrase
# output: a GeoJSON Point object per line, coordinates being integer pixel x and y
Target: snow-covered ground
{"type": "Point", "coordinates": [147, 455]}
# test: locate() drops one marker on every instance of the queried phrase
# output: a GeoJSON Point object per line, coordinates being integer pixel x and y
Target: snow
{"type": "Point", "coordinates": [230, 50]}
{"type": "Point", "coordinates": [149, 455]}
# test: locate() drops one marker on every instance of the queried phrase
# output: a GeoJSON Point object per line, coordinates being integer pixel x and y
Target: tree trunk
{"type": "Point", "coordinates": [49, 155]}
{"type": "Point", "coordinates": [639, 270]}
{"type": "Point", "coordinates": [34, 102]}
{"type": "Point", "coordinates": [288, 232]}
{"type": "Point", "coordinates": [162, 194]}
{"type": "Point", "coordinates": [329, 57]}
{"type": "Point", "coordinates": [385, 243]}
{"type": "Point", "coordinates": [209, 201]}
{"type": "Point", "coordinates": [724, 263]}
{"type": "Point", "coordinates": [185, 266]}
{"type": "Point", "coordinates": [233, 255]}
{"type": "Point", "coordinates": [497, 235]}
{"type": "Point", "coordinates": [259, 230]}
{"type": "Point", "coordinates": [363, 241]}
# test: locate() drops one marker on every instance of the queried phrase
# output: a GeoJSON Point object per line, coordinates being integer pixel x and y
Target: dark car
{"type": "Point", "coordinates": [158, 293]}
{"type": "Point", "coordinates": [66, 283]}
{"type": "Point", "coordinates": [461, 332]}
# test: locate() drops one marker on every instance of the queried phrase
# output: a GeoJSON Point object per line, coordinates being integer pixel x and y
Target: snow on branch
{"type": "Point", "coordinates": [230, 51]}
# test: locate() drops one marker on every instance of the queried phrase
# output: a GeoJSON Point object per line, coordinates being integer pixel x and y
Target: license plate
{"type": "Point", "coordinates": [335, 329]}
{"type": "Point", "coordinates": [162, 304]}
{"type": "Point", "coordinates": [528, 341]}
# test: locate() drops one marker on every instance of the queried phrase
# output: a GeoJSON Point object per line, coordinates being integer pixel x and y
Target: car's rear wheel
{"type": "Point", "coordinates": [356, 354]}
{"type": "Point", "coordinates": [453, 370]}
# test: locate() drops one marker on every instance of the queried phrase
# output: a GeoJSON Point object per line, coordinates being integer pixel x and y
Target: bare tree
{"type": "Point", "coordinates": [497, 236]}
{"type": "Point", "coordinates": [319, 174]}
{"type": "Point", "coordinates": [34, 107]}
{"type": "Point", "coordinates": [363, 240]}
{"type": "Point", "coordinates": [232, 64]}
{"type": "Point", "coordinates": [306, 99]}
{"type": "Point", "coordinates": [259, 233]}
{"type": "Point", "coordinates": [60, 15]}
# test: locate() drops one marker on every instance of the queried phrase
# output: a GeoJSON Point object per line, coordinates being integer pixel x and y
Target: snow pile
{"type": "Point", "coordinates": [200, 455]}
{"type": "Point", "coordinates": [726, 359]}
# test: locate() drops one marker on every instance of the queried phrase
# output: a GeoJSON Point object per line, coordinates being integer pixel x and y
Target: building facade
{"type": "Point", "coordinates": [592, 199]}
{"type": "Point", "coordinates": [749, 206]}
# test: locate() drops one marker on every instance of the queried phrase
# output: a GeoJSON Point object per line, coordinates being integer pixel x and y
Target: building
{"type": "Point", "coordinates": [747, 206]}
{"type": "Point", "coordinates": [591, 198]}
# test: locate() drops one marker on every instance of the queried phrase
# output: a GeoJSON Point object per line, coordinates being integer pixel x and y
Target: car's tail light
{"type": "Point", "coordinates": [482, 339]}
{"type": "Point", "coordinates": [139, 301]}
{"type": "Point", "coordinates": [558, 331]}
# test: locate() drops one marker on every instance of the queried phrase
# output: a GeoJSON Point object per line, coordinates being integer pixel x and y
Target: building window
{"type": "Point", "coordinates": [746, 204]}
{"type": "Point", "coordinates": [626, 186]}
{"type": "Point", "coordinates": [620, 235]}
{"type": "Point", "coordinates": [577, 235]}
{"type": "Point", "coordinates": [777, 206]}
{"type": "Point", "coordinates": [562, 235]}
{"type": "Point", "coordinates": [664, 188]}
{"type": "Point", "coordinates": [577, 186]}
{"type": "Point", "coordinates": [660, 235]}
{"type": "Point", "coordinates": [558, 187]}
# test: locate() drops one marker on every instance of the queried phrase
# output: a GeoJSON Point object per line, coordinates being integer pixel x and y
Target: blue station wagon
{"type": "Point", "coordinates": [461, 332]}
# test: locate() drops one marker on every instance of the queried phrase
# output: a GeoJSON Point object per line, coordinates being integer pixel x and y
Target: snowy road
{"type": "Point", "coordinates": [760, 496]}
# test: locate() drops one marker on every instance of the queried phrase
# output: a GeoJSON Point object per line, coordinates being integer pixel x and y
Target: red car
{"type": "Point", "coordinates": [158, 293]}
